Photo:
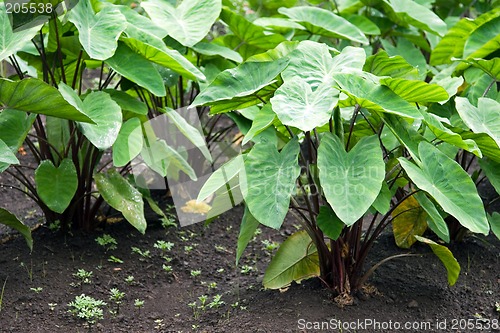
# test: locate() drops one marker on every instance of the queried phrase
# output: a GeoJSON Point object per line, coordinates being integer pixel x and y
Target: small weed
{"type": "Point", "coordinates": [221, 249]}
{"type": "Point", "coordinates": [1, 294]}
{"type": "Point", "coordinates": [115, 260]}
{"type": "Point", "coordinates": [28, 270]}
{"type": "Point", "coordinates": [167, 268]}
{"type": "Point", "coordinates": [216, 302]}
{"type": "Point", "coordinates": [144, 254]}
{"type": "Point", "coordinates": [84, 276]}
{"type": "Point", "coordinates": [163, 246]}
{"type": "Point", "coordinates": [220, 270]}
{"type": "Point", "coordinates": [188, 248]}
{"type": "Point", "coordinates": [195, 273]}
{"type": "Point", "coordinates": [138, 303]}
{"type": "Point", "coordinates": [159, 324]}
{"type": "Point", "coordinates": [87, 308]}
{"type": "Point", "coordinates": [55, 226]}
{"type": "Point", "coordinates": [107, 241]}
{"type": "Point", "coordinates": [52, 306]}
{"type": "Point", "coordinates": [116, 296]}
{"type": "Point", "coordinates": [269, 246]}
{"type": "Point", "coordinates": [497, 306]}
{"type": "Point", "coordinates": [245, 269]}
{"type": "Point", "coordinates": [37, 290]}
{"type": "Point", "coordinates": [167, 259]}
{"type": "Point", "coordinates": [130, 280]}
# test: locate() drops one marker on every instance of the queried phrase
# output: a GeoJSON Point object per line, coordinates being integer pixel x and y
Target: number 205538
{"type": "Point", "coordinates": [28, 8]}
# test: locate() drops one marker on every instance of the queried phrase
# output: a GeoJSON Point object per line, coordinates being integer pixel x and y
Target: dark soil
{"type": "Point", "coordinates": [411, 290]}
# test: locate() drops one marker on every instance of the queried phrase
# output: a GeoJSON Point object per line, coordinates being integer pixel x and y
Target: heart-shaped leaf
{"type": "Point", "coordinates": [396, 66]}
{"type": "Point", "coordinates": [128, 143]}
{"type": "Point", "coordinates": [122, 196]}
{"type": "Point", "coordinates": [350, 180]}
{"type": "Point", "coordinates": [56, 186]}
{"type": "Point", "coordinates": [296, 260]}
{"type": "Point", "coordinates": [449, 185]}
{"type": "Point", "coordinates": [329, 223]}
{"type": "Point", "coordinates": [272, 177]}
{"type": "Point", "coordinates": [188, 23]}
{"type": "Point", "coordinates": [297, 105]}
{"type": "Point", "coordinates": [98, 33]}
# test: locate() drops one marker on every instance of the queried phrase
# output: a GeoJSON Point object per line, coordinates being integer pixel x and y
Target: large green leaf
{"type": "Point", "coordinates": [14, 127]}
{"type": "Point", "coordinates": [350, 180]}
{"type": "Point", "coordinates": [98, 33]}
{"type": "Point", "coordinates": [247, 231]}
{"type": "Point", "coordinates": [416, 91]}
{"type": "Point", "coordinates": [404, 132]}
{"type": "Point", "coordinates": [263, 119]}
{"type": "Point", "coordinates": [211, 49]}
{"type": "Point", "coordinates": [107, 125]}
{"type": "Point", "coordinates": [419, 16]}
{"type": "Point", "coordinates": [449, 185]}
{"type": "Point", "coordinates": [127, 102]}
{"type": "Point", "coordinates": [485, 118]}
{"type": "Point", "coordinates": [159, 156]}
{"type": "Point", "coordinates": [484, 40]}
{"type": "Point", "coordinates": [128, 143]}
{"type": "Point", "coordinates": [239, 87]}
{"type": "Point", "coordinates": [137, 69]}
{"type": "Point", "coordinates": [495, 223]}
{"type": "Point", "coordinates": [313, 63]}
{"type": "Point", "coordinates": [187, 23]}
{"type": "Point", "coordinates": [122, 196]}
{"type": "Point", "coordinates": [297, 105]}
{"type": "Point", "coordinates": [370, 95]}
{"type": "Point", "coordinates": [396, 66]}
{"type": "Point", "coordinates": [271, 177]}
{"type": "Point", "coordinates": [490, 67]}
{"type": "Point", "coordinates": [166, 57]}
{"type": "Point", "coordinates": [444, 254]}
{"type": "Point", "coordinates": [56, 186]}
{"type": "Point", "coordinates": [190, 132]}
{"type": "Point", "coordinates": [409, 219]}
{"type": "Point", "coordinates": [452, 44]}
{"type": "Point", "coordinates": [35, 96]}
{"type": "Point", "coordinates": [11, 42]}
{"type": "Point", "coordinates": [323, 22]}
{"type": "Point", "coordinates": [296, 260]}
{"type": "Point", "coordinates": [492, 171]}
{"type": "Point", "coordinates": [10, 220]}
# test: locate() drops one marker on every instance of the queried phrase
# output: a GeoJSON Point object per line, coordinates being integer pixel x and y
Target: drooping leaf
{"type": "Point", "coordinates": [296, 260]}
{"type": "Point", "coordinates": [189, 131]}
{"type": "Point", "coordinates": [485, 118]}
{"type": "Point", "coordinates": [247, 231]}
{"type": "Point", "coordinates": [490, 67]}
{"type": "Point", "coordinates": [492, 171]}
{"type": "Point", "coordinates": [237, 88]}
{"type": "Point", "coordinates": [221, 177]}
{"type": "Point", "coordinates": [329, 223]}
{"type": "Point", "coordinates": [188, 23]}
{"type": "Point", "coordinates": [435, 221]}
{"type": "Point", "coordinates": [166, 57]}
{"type": "Point", "coordinates": [363, 23]}
{"type": "Point", "coordinates": [107, 125]}
{"type": "Point", "coordinates": [11, 42]}
{"type": "Point", "coordinates": [271, 177]}
{"type": "Point", "coordinates": [35, 96]}
{"type": "Point", "coordinates": [122, 196]}
{"type": "Point", "coordinates": [381, 64]}
{"type": "Point", "coordinates": [419, 16]}
{"type": "Point", "coordinates": [483, 40]}
{"type": "Point", "coordinates": [449, 185]}
{"type": "Point", "coordinates": [444, 254]}
{"type": "Point", "coordinates": [56, 186]}
{"type": "Point", "coordinates": [350, 180]}
{"type": "Point", "coordinates": [409, 219]}
{"type": "Point", "coordinates": [416, 91]}
{"type": "Point", "coordinates": [128, 143]}
{"type": "Point", "coordinates": [127, 102]}
{"type": "Point", "coordinates": [98, 33]}
{"type": "Point", "coordinates": [137, 69]}
{"type": "Point", "coordinates": [322, 22]}
{"type": "Point", "coordinates": [374, 97]}
{"type": "Point", "coordinates": [297, 105]}
{"type": "Point", "coordinates": [211, 49]}
{"type": "Point", "coordinates": [10, 220]}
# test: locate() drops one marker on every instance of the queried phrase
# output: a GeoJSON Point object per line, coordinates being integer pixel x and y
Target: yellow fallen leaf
{"type": "Point", "coordinates": [193, 206]}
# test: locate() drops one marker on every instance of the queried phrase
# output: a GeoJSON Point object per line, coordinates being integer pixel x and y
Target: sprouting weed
{"type": "Point", "coordinates": [163, 246]}
{"type": "Point", "coordinates": [167, 268]}
{"type": "Point", "coordinates": [245, 269]}
{"type": "Point", "coordinates": [130, 279]}
{"type": "Point", "coordinates": [107, 241]}
{"type": "Point", "coordinates": [144, 254]}
{"type": "Point", "coordinates": [84, 276]}
{"type": "Point", "coordinates": [195, 273]}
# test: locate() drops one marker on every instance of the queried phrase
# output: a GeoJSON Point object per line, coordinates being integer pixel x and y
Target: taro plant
{"type": "Point", "coordinates": [354, 131]}
{"type": "Point", "coordinates": [85, 79]}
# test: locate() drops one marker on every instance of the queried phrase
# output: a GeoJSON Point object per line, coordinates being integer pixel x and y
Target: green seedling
{"type": "Point", "coordinates": [163, 246]}
{"type": "Point", "coordinates": [116, 296]}
{"type": "Point", "coordinates": [130, 280]}
{"type": "Point", "coordinates": [52, 306]}
{"type": "Point", "coordinates": [1, 294]}
{"type": "Point", "coordinates": [188, 249]}
{"type": "Point", "coordinates": [195, 273]}
{"type": "Point", "coordinates": [216, 302]}
{"type": "Point", "coordinates": [246, 269]}
{"type": "Point", "coordinates": [84, 276]}
{"type": "Point", "coordinates": [107, 242]}
{"type": "Point", "coordinates": [143, 254]}
{"type": "Point", "coordinates": [167, 268]}
{"type": "Point", "coordinates": [115, 260]}
{"type": "Point", "coordinates": [37, 290]}
{"type": "Point", "coordinates": [138, 304]}
{"type": "Point", "coordinates": [497, 306]}
{"type": "Point", "coordinates": [87, 308]}
{"type": "Point", "coordinates": [28, 270]}
{"type": "Point", "coordinates": [269, 246]}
